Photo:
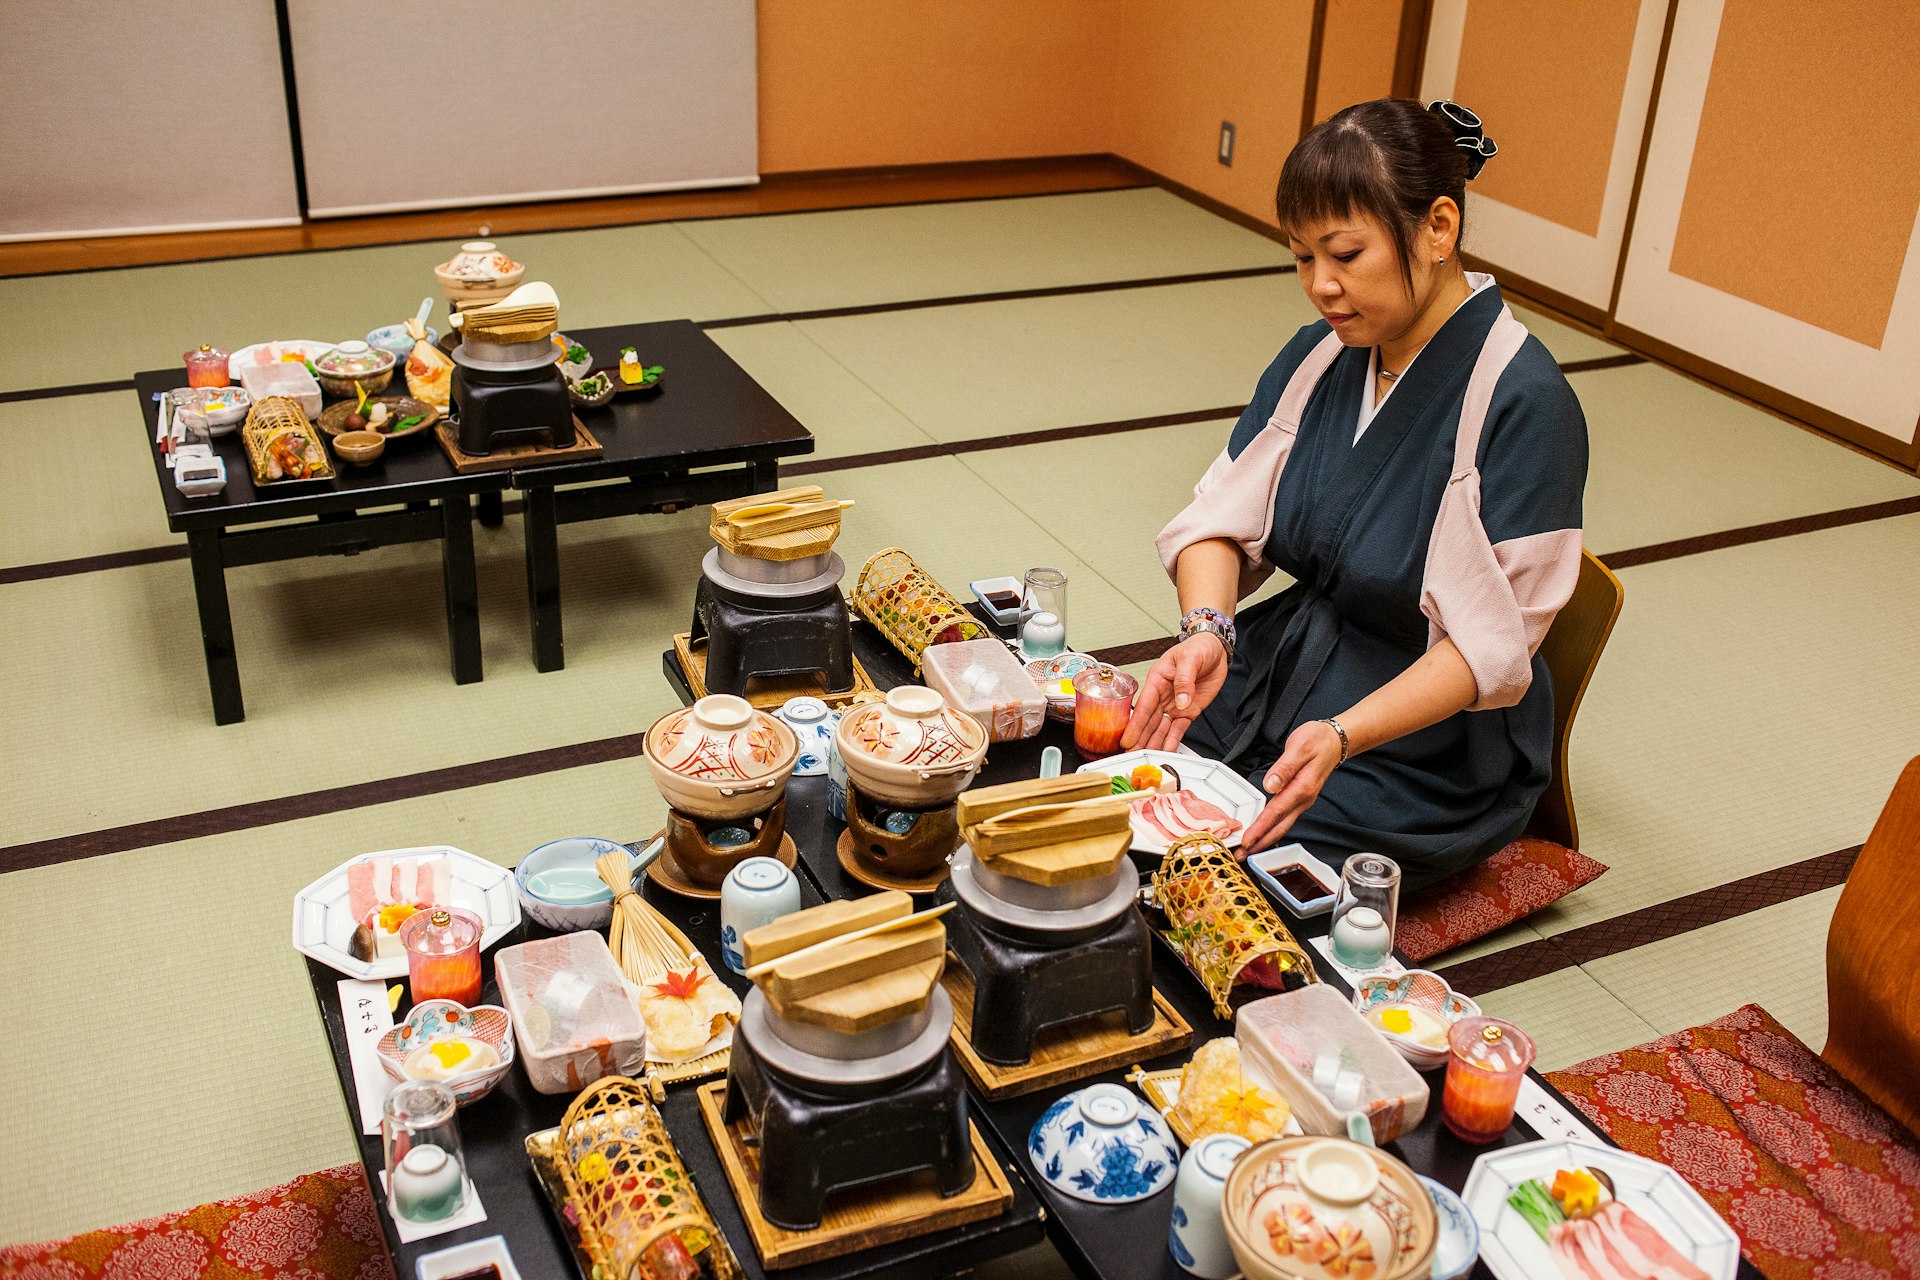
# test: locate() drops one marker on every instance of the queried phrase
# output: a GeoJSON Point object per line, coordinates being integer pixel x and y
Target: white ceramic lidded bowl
{"type": "Point", "coordinates": [1288, 1191]}
{"type": "Point", "coordinates": [913, 750]}
{"type": "Point", "coordinates": [758, 891]}
{"type": "Point", "coordinates": [1102, 1145]}
{"type": "Point", "coordinates": [720, 758]}
{"type": "Point", "coordinates": [1198, 1237]}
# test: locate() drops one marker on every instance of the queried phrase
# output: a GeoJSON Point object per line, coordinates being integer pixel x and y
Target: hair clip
{"type": "Point", "coordinates": [1468, 134]}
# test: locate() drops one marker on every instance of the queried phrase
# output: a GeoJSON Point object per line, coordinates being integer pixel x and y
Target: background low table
{"type": "Point", "coordinates": [433, 501]}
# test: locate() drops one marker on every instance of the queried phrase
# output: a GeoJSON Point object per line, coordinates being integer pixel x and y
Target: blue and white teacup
{"type": "Point", "coordinates": [1198, 1237]}
{"type": "Point", "coordinates": [813, 724]}
{"type": "Point", "coordinates": [756, 892]}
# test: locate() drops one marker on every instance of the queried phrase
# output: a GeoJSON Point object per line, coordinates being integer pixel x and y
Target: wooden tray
{"type": "Point", "coordinates": [769, 695]}
{"type": "Point", "coordinates": [622, 388]}
{"type": "Point", "coordinates": [1064, 1053]}
{"type": "Point", "coordinates": [585, 448]}
{"type": "Point", "coordinates": [858, 1217]}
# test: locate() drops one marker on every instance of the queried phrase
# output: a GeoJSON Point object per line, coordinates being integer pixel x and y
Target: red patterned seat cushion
{"type": "Point", "coordinates": [319, 1227]}
{"type": "Point", "coordinates": [1818, 1181]}
{"type": "Point", "coordinates": [1511, 885]}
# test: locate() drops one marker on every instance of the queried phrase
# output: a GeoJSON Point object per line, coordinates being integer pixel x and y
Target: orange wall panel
{"type": "Point", "coordinates": [1547, 78]}
{"type": "Point", "coordinates": [1357, 53]}
{"type": "Point", "coordinates": [1180, 67]}
{"type": "Point", "coordinates": [857, 83]}
{"type": "Point", "coordinates": [1805, 178]}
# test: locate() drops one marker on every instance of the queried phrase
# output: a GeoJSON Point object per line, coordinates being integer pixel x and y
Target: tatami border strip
{"type": "Point", "coordinates": [1651, 924]}
{"type": "Point", "coordinates": [74, 389]}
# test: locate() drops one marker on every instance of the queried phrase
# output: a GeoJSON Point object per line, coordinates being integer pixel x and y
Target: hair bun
{"type": "Point", "coordinates": [1468, 134]}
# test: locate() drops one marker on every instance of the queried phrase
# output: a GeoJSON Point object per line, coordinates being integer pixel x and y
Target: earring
{"type": "Point", "coordinates": [1441, 263]}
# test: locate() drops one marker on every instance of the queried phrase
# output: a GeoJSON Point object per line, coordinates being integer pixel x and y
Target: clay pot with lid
{"type": "Point", "coordinates": [1370, 1205]}
{"type": "Point", "coordinates": [913, 750]}
{"type": "Point", "coordinates": [721, 758]}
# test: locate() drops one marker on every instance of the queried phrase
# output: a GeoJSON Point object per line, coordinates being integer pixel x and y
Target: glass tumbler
{"type": "Point", "coordinates": [426, 1169]}
{"type": "Point", "coordinates": [443, 954]}
{"type": "Point", "coordinates": [1366, 911]}
{"type": "Point", "coordinates": [1102, 705]}
{"type": "Point", "coordinates": [1487, 1061]}
{"type": "Point", "coordinates": [1046, 592]}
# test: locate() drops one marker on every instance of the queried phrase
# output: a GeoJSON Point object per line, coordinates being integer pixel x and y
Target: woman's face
{"type": "Point", "coordinates": [1351, 272]}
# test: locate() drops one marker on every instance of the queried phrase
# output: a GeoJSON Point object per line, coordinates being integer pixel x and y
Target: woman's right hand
{"type": "Point", "coordinates": [1187, 678]}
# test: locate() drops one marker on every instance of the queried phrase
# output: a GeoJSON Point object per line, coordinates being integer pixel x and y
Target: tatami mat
{"type": "Point", "coordinates": [76, 481]}
{"type": "Point", "coordinates": [1565, 342]}
{"type": "Point", "coordinates": [1570, 1017]}
{"type": "Point", "coordinates": [845, 415]}
{"type": "Point", "coordinates": [811, 261]}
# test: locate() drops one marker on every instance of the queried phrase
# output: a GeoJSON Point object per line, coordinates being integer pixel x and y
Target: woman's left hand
{"type": "Point", "coordinates": [1294, 782]}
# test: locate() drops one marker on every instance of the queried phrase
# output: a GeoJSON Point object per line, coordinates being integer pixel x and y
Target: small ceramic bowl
{"type": "Point", "coordinates": [558, 887]}
{"type": "Point", "coordinates": [342, 385]}
{"type": "Point", "coordinates": [394, 338]}
{"type": "Point", "coordinates": [1456, 1244]}
{"type": "Point", "coordinates": [595, 400]}
{"type": "Point", "coordinates": [571, 370]}
{"type": "Point", "coordinates": [721, 758]}
{"type": "Point", "coordinates": [360, 448]}
{"type": "Point", "coordinates": [1344, 1202]}
{"type": "Point", "coordinates": [913, 750]}
{"type": "Point", "coordinates": [1417, 989]}
{"type": "Point", "coordinates": [1102, 1144]}
{"type": "Point", "coordinates": [434, 1020]}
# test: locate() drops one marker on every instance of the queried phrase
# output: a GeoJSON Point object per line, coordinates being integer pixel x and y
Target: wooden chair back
{"type": "Point", "coordinates": [1572, 650]}
{"type": "Point", "coordinates": [1873, 955]}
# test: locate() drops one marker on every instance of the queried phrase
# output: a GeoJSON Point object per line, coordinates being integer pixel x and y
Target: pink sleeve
{"type": "Point", "coordinates": [1234, 499]}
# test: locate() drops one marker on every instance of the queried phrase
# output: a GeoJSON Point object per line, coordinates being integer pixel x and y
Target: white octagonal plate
{"type": "Point", "coordinates": [1513, 1250]}
{"type": "Point", "coordinates": [1211, 780]}
{"type": "Point", "coordinates": [322, 924]}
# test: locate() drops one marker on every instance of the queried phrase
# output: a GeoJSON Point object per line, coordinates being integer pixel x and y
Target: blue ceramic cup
{"type": "Point", "coordinates": [758, 891]}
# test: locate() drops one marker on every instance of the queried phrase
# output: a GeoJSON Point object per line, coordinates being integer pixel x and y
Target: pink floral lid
{"type": "Point", "coordinates": [915, 726]}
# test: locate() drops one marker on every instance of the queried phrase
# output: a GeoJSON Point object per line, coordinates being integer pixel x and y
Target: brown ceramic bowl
{"type": "Point", "coordinates": [1307, 1186]}
{"type": "Point", "coordinates": [913, 750]}
{"type": "Point", "coordinates": [721, 758]}
{"type": "Point", "coordinates": [359, 448]}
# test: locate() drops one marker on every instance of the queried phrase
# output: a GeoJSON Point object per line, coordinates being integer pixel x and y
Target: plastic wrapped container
{"type": "Point", "coordinates": [282, 379]}
{"type": "Point", "coordinates": [984, 679]}
{"type": "Point", "coordinates": [1327, 1061]}
{"type": "Point", "coordinates": [572, 1016]}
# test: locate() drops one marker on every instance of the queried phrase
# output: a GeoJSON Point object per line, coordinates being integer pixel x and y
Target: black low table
{"type": "Point", "coordinates": [1107, 1241]}
{"type": "Point", "coordinates": [411, 494]}
{"type": "Point", "coordinates": [709, 432]}
{"type": "Point", "coordinates": [494, 1130]}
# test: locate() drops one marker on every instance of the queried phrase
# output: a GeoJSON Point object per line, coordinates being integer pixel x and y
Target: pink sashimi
{"type": "Point", "coordinates": [1617, 1244]}
{"type": "Point", "coordinates": [1182, 813]}
{"type": "Point", "coordinates": [373, 883]}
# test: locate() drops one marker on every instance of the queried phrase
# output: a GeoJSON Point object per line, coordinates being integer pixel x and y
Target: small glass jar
{"type": "Point", "coordinates": [207, 367]}
{"type": "Point", "coordinates": [426, 1167]}
{"type": "Point", "coordinates": [443, 954]}
{"type": "Point", "coordinates": [1487, 1061]}
{"type": "Point", "coordinates": [1102, 705]}
{"type": "Point", "coordinates": [1045, 591]}
{"type": "Point", "coordinates": [1366, 911]}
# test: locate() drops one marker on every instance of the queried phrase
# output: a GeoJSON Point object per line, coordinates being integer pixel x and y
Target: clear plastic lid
{"type": "Point", "coordinates": [1105, 682]}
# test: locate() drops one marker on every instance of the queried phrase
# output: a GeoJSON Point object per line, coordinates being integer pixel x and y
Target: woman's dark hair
{"type": "Point", "coordinates": [1390, 159]}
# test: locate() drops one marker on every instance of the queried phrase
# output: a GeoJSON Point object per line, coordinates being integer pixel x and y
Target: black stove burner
{"type": "Point", "coordinates": [814, 1141]}
{"type": "Point", "coordinates": [509, 407]}
{"type": "Point", "coordinates": [1024, 981]}
{"type": "Point", "coordinates": [750, 637]}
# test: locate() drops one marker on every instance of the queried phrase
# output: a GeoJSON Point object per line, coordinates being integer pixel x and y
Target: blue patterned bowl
{"type": "Point", "coordinates": [1100, 1144]}
{"type": "Point", "coordinates": [1458, 1242]}
{"type": "Point", "coordinates": [432, 1020]}
{"type": "Point", "coordinates": [558, 887]}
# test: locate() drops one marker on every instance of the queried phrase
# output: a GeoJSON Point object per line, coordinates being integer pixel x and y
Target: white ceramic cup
{"type": "Point", "coordinates": [758, 891]}
{"type": "Point", "coordinates": [1198, 1237]}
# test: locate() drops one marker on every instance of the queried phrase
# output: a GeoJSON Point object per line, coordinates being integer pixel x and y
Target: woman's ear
{"type": "Point", "coordinates": [1442, 229]}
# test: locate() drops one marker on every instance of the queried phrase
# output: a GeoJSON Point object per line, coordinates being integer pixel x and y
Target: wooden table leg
{"type": "Point", "coordinates": [492, 515]}
{"type": "Point", "coordinates": [462, 586]}
{"type": "Point", "coordinates": [766, 476]}
{"type": "Point", "coordinates": [540, 526]}
{"type": "Point", "coordinates": [216, 626]}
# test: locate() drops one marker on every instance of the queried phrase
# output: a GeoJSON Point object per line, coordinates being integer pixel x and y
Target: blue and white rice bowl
{"type": "Point", "coordinates": [1456, 1242]}
{"type": "Point", "coordinates": [1103, 1145]}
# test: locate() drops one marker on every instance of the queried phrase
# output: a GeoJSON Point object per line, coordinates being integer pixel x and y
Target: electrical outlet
{"type": "Point", "coordinates": [1226, 143]}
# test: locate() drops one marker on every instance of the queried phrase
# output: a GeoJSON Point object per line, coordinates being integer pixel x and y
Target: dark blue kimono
{"type": "Point", "coordinates": [1353, 524]}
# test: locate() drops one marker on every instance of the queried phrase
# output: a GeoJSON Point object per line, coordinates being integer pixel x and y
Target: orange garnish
{"type": "Point", "coordinates": [680, 986]}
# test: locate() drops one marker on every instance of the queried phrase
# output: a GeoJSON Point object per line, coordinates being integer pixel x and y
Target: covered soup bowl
{"type": "Point", "coordinates": [913, 750]}
{"type": "Point", "coordinates": [721, 758]}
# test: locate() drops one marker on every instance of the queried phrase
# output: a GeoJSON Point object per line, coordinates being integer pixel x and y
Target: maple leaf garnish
{"type": "Point", "coordinates": [680, 986]}
{"type": "Point", "coordinates": [1242, 1107]}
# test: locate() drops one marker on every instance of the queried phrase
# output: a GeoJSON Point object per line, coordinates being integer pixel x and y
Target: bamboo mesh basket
{"type": "Point", "coordinates": [1221, 924]}
{"type": "Point", "coordinates": [627, 1185]}
{"type": "Point", "coordinates": [910, 608]}
{"type": "Point", "coordinates": [277, 416]}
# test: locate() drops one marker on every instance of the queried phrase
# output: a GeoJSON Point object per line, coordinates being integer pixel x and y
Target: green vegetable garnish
{"type": "Point", "coordinates": [626, 351]}
{"type": "Point", "coordinates": [412, 420]}
{"type": "Point", "coordinates": [1120, 786]}
{"type": "Point", "coordinates": [577, 354]}
{"type": "Point", "coordinates": [1532, 1201]}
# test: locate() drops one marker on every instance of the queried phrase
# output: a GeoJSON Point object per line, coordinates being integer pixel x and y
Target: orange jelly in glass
{"type": "Point", "coordinates": [1102, 704]}
{"type": "Point", "coordinates": [1488, 1061]}
{"type": "Point", "coordinates": [443, 954]}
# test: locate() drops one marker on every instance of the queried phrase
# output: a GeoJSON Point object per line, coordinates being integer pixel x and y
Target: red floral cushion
{"type": "Point", "coordinates": [1511, 885]}
{"type": "Point", "coordinates": [1817, 1180]}
{"type": "Point", "coordinates": [319, 1227]}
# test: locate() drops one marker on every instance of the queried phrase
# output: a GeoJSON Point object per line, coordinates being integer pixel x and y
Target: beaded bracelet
{"type": "Point", "coordinates": [1204, 619]}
